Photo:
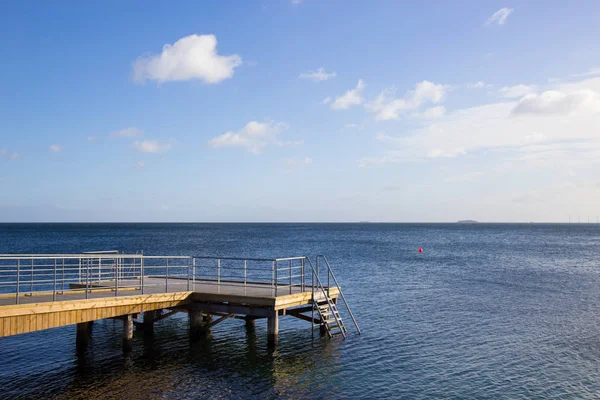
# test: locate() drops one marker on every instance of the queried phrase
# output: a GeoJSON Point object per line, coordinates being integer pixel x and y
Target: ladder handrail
{"type": "Point", "coordinates": [327, 298]}
{"type": "Point", "coordinates": [340, 289]}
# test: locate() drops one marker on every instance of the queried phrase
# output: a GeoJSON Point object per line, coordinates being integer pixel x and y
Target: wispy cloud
{"type": "Point", "coordinates": [9, 155]}
{"type": "Point", "coordinates": [292, 164]}
{"type": "Point", "coordinates": [55, 148]}
{"type": "Point", "coordinates": [151, 146]}
{"type": "Point", "coordinates": [500, 16]}
{"type": "Point", "coordinates": [387, 107]}
{"type": "Point", "coordinates": [557, 122]}
{"type": "Point", "coordinates": [127, 133]}
{"type": "Point", "coordinates": [351, 98]}
{"type": "Point", "coordinates": [589, 72]}
{"type": "Point", "coordinates": [510, 92]}
{"type": "Point", "coordinates": [318, 75]}
{"type": "Point", "coordinates": [191, 57]}
{"type": "Point", "coordinates": [92, 139]}
{"type": "Point", "coordinates": [254, 136]}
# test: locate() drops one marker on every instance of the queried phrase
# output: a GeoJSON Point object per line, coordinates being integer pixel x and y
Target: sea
{"type": "Point", "coordinates": [486, 311]}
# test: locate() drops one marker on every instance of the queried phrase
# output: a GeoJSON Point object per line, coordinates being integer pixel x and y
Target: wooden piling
{"type": "Point", "coordinates": [127, 333]}
{"type": "Point", "coordinates": [273, 329]}
{"type": "Point", "coordinates": [82, 339]}
{"type": "Point", "coordinates": [195, 318]}
{"type": "Point", "coordinates": [149, 317]}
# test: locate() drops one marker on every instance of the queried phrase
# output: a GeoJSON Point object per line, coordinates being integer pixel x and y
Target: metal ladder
{"type": "Point", "coordinates": [329, 315]}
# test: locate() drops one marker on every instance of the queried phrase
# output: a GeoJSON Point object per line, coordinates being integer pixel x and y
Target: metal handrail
{"type": "Point", "coordinates": [327, 298]}
{"type": "Point", "coordinates": [330, 271]}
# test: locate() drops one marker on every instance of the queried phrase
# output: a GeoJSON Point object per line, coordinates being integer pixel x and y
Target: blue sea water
{"type": "Point", "coordinates": [487, 311]}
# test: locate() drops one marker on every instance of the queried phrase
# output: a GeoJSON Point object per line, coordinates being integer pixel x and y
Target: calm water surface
{"type": "Point", "coordinates": [487, 311]}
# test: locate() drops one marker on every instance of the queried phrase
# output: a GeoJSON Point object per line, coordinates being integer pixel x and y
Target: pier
{"type": "Point", "coordinates": [43, 291]}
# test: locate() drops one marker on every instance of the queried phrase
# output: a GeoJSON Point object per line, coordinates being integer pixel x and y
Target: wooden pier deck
{"type": "Point", "coordinates": [81, 301]}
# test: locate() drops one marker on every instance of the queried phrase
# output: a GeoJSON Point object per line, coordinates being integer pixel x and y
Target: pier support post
{"type": "Point", "coordinates": [82, 339]}
{"type": "Point", "coordinates": [195, 324]}
{"type": "Point", "coordinates": [149, 317]}
{"type": "Point", "coordinates": [127, 333]}
{"type": "Point", "coordinates": [273, 329]}
{"type": "Point", "coordinates": [250, 323]}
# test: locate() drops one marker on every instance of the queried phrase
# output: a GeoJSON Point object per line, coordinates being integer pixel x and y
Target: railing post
{"type": "Point", "coordinates": [166, 275]}
{"type": "Point", "coordinates": [219, 272]}
{"type": "Point", "coordinates": [141, 271]}
{"type": "Point", "coordinates": [188, 273]}
{"type": "Point", "coordinates": [63, 276]}
{"type": "Point", "coordinates": [245, 273]}
{"type": "Point", "coordinates": [302, 275]}
{"type": "Point", "coordinates": [290, 276]}
{"type": "Point", "coordinates": [87, 277]}
{"type": "Point", "coordinates": [194, 271]}
{"type": "Point", "coordinates": [79, 269]}
{"type": "Point", "coordinates": [54, 286]}
{"type": "Point", "coordinates": [31, 283]}
{"type": "Point", "coordinates": [276, 279]}
{"type": "Point", "coordinates": [116, 277]}
{"type": "Point", "coordinates": [18, 278]}
{"type": "Point", "coordinates": [99, 270]}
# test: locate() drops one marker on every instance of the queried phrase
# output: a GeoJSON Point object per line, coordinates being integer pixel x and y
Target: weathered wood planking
{"type": "Point", "coordinates": [24, 318]}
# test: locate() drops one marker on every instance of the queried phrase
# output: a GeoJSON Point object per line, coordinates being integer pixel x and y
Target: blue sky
{"type": "Point", "coordinates": [299, 111]}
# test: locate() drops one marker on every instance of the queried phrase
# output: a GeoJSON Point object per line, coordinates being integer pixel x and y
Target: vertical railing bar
{"type": "Point", "coordinates": [290, 276]}
{"type": "Point", "coordinates": [99, 270]}
{"type": "Point", "coordinates": [245, 273]}
{"type": "Point", "coordinates": [194, 272]}
{"type": "Point", "coordinates": [63, 276]}
{"type": "Point", "coordinates": [141, 271]}
{"type": "Point", "coordinates": [219, 272]}
{"type": "Point", "coordinates": [166, 275]}
{"type": "Point", "coordinates": [31, 283]}
{"type": "Point", "coordinates": [87, 277]}
{"type": "Point", "coordinates": [276, 279]}
{"type": "Point", "coordinates": [54, 286]}
{"type": "Point", "coordinates": [116, 277]}
{"type": "Point", "coordinates": [18, 278]}
{"type": "Point", "coordinates": [79, 269]}
{"type": "Point", "coordinates": [189, 262]}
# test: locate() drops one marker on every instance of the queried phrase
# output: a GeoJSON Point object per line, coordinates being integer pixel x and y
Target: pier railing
{"type": "Point", "coordinates": [103, 274]}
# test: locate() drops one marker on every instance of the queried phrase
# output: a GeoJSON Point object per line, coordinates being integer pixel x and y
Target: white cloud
{"type": "Point", "coordinates": [500, 16]}
{"type": "Point", "coordinates": [433, 112]}
{"type": "Point", "coordinates": [318, 75]}
{"type": "Point", "coordinates": [553, 102]}
{"type": "Point", "coordinates": [127, 132]}
{"type": "Point", "coordinates": [326, 100]}
{"type": "Point", "coordinates": [140, 164]}
{"type": "Point", "coordinates": [5, 153]}
{"type": "Point", "coordinates": [150, 146]}
{"type": "Point", "coordinates": [254, 136]}
{"type": "Point", "coordinates": [92, 139]}
{"type": "Point", "coordinates": [351, 98]}
{"type": "Point", "coordinates": [510, 92]}
{"type": "Point", "coordinates": [293, 164]}
{"type": "Point", "coordinates": [387, 107]}
{"type": "Point", "coordinates": [191, 57]}
{"type": "Point", "coordinates": [589, 72]}
{"type": "Point", "coordinates": [55, 148]}
{"type": "Point", "coordinates": [558, 123]}
{"type": "Point", "coordinates": [350, 126]}
{"type": "Point", "coordinates": [476, 85]}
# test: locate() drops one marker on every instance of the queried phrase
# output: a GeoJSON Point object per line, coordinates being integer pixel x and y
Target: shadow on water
{"type": "Point", "coordinates": [233, 361]}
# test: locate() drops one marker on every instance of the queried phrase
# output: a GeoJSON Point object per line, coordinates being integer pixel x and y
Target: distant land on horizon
{"type": "Point", "coordinates": [467, 221]}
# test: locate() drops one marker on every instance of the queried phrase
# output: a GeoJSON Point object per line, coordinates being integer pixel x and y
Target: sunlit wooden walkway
{"type": "Point", "coordinates": [94, 288]}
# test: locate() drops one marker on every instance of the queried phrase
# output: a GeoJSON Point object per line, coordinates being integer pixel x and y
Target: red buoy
{"type": "Point", "coordinates": [420, 249]}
